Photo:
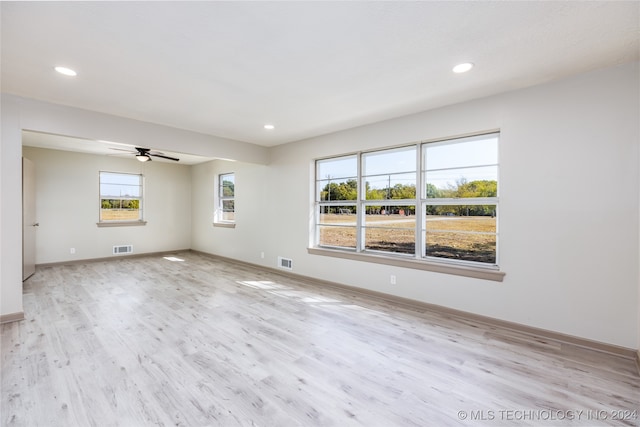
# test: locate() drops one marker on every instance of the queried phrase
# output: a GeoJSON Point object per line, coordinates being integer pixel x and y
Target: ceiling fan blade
{"type": "Point", "coordinates": [147, 152]}
{"type": "Point", "coordinates": [163, 156]}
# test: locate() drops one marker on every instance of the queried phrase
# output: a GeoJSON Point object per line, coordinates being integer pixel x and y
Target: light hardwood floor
{"type": "Point", "coordinates": [203, 342]}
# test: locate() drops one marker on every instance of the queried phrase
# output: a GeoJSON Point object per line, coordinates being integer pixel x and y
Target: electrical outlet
{"type": "Point", "coordinates": [392, 279]}
{"type": "Point", "coordinates": [72, 251]}
{"type": "Point", "coordinates": [262, 255]}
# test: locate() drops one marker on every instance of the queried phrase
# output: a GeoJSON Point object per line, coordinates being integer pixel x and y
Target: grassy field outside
{"type": "Point", "coordinates": [119, 214]}
{"type": "Point", "coordinates": [450, 237]}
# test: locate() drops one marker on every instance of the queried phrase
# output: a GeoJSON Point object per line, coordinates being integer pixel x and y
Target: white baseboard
{"type": "Point", "coordinates": [11, 317]}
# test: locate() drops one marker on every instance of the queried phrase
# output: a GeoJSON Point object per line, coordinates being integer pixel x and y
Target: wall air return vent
{"type": "Point", "coordinates": [285, 263]}
{"type": "Point", "coordinates": [122, 249]}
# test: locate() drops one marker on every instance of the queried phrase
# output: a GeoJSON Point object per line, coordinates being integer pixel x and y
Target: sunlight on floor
{"type": "Point", "coordinates": [261, 284]}
{"type": "Point", "coordinates": [287, 292]}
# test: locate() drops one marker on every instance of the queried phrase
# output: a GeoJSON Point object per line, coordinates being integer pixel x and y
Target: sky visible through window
{"type": "Point", "coordinates": [447, 163]}
{"type": "Point", "coordinates": [119, 185]}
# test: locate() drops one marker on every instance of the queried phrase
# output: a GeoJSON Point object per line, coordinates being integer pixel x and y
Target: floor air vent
{"type": "Point", "coordinates": [123, 249]}
{"type": "Point", "coordinates": [285, 263]}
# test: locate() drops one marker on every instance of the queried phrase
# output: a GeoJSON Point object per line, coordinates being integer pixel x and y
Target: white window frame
{"type": "Point", "coordinates": [468, 201]}
{"type": "Point", "coordinates": [417, 260]}
{"type": "Point", "coordinates": [126, 222]}
{"type": "Point", "coordinates": [219, 217]}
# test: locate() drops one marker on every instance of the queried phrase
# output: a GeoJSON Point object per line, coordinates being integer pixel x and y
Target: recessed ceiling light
{"type": "Point", "coordinates": [269, 127]}
{"type": "Point", "coordinates": [66, 71]}
{"type": "Point", "coordinates": [463, 68]}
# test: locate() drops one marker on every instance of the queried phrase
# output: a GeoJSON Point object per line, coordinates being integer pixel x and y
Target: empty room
{"type": "Point", "coordinates": [361, 213]}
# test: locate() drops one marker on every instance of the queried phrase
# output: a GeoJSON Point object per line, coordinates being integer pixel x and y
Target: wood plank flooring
{"type": "Point", "coordinates": [203, 342]}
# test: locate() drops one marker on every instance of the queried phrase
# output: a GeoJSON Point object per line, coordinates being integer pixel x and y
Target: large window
{"type": "Point", "coordinates": [431, 201]}
{"type": "Point", "coordinates": [120, 197]}
{"type": "Point", "coordinates": [226, 209]}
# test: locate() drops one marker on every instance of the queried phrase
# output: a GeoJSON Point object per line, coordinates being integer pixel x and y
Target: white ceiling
{"type": "Point", "coordinates": [309, 68]}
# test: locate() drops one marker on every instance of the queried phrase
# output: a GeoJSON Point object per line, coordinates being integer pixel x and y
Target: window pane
{"type": "Point", "coordinates": [228, 216]}
{"type": "Point", "coordinates": [472, 218]}
{"type": "Point", "coordinates": [227, 184]}
{"type": "Point", "coordinates": [119, 178]}
{"type": "Point", "coordinates": [337, 236]}
{"type": "Point", "coordinates": [389, 161]}
{"type": "Point", "coordinates": [228, 210]}
{"type": "Point", "coordinates": [337, 215]}
{"type": "Point", "coordinates": [391, 186]}
{"type": "Point", "coordinates": [119, 210]}
{"type": "Point", "coordinates": [462, 246]}
{"type": "Point", "coordinates": [390, 240]}
{"type": "Point", "coordinates": [467, 182]}
{"type": "Point", "coordinates": [461, 232]}
{"type": "Point", "coordinates": [341, 167]}
{"type": "Point", "coordinates": [120, 185]}
{"type": "Point", "coordinates": [337, 189]}
{"type": "Point", "coordinates": [474, 151]}
{"type": "Point", "coordinates": [390, 174]}
{"type": "Point", "coordinates": [113, 190]}
{"type": "Point", "coordinates": [390, 228]}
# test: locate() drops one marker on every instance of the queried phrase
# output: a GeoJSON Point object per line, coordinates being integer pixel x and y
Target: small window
{"type": "Point", "coordinates": [226, 209]}
{"type": "Point", "coordinates": [120, 197]}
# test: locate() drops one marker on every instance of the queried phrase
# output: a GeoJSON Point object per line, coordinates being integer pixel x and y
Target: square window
{"type": "Point", "coordinates": [120, 197]}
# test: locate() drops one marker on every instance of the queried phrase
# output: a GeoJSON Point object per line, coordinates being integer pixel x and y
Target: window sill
{"type": "Point", "coordinates": [485, 273]}
{"type": "Point", "coordinates": [121, 223]}
{"type": "Point", "coordinates": [225, 224]}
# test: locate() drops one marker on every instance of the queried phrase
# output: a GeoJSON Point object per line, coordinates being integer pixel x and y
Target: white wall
{"type": "Point", "coordinates": [569, 200]}
{"type": "Point", "coordinates": [11, 207]}
{"type": "Point", "coordinates": [67, 206]}
{"type": "Point", "coordinates": [253, 196]}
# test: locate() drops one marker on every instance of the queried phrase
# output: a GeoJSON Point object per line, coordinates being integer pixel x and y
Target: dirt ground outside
{"type": "Point", "coordinates": [450, 237]}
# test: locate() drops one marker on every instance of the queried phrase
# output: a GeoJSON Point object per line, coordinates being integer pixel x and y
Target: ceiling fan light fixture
{"type": "Point", "coordinates": [143, 157]}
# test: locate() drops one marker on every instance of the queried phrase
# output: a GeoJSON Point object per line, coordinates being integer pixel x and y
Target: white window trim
{"type": "Point", "coordinates": [414, 261]}
{"type": "Point", "coordinates": [122, 223]}
{"type": "Point", "coordinates": [218, 220]}
{"type": "Point", "coordinates": [444, 266]}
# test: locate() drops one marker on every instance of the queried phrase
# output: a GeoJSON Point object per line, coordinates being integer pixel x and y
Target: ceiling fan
{"type": "Point", "coordinates": [145, 154]}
